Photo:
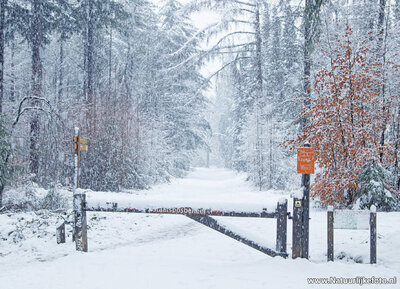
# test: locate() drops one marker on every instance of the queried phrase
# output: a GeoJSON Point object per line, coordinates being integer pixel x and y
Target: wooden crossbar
{"type": "Point", "coordinates": [213, 224]}
{"type": "Point", "coordinates": [184, 211]}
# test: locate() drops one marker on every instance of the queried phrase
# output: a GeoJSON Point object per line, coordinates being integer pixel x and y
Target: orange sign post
{"type": "Point", "coordinates": [305, 160]}
{"type": "Point", "coordinates": [301, 205]}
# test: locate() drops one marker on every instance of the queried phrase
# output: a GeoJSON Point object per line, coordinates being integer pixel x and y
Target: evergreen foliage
{"type": "Point", "coordinates": [124, 72]}
{"type": "Point", "coordinates": [262, 83]}
{"type": "Point", "coordinates": [374, 188]}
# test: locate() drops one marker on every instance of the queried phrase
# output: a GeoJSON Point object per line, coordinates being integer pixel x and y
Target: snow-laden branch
{"type": "Point", "coordinates": [21, 110]}
{"type": "Point", "coordinates": [213, 5]}
{"type": "Point", "coordinates": [231, 52]}
{"type": "Point", "coordinates": [219, 50]}
{"type": "Point", "coordinates": [245, 3]}
{"type": "Point", "coordinates": [241, 21]}
{"type": "Point", "coordinates": [246, 10]}
{"type": "Point", "coordinates": [206, 52]}
{"type": "Point", "coordinates": [25, 109]}
{"type": "Point", "coordinates": [181, 63]}
{"type": "Point", "coordinates": [226, 65]}
{"type": "Point", "coordinates": [221, 69]}
{"type": "Point", "coordinates": [193, 38]}
{"type": "Point", "coordinates": [227, 36]}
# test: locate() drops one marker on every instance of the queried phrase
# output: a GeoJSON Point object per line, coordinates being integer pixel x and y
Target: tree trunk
{"type": "Point", "coordinates": [381, 54]}
{"type": "Point", "coordinates": [259, 56]}
{"type": "Point", "coordinates": [259, 100]}
{"type": "Point", "coordinates": [90, 54]}
{"type": "Point", "coordinates": [2, 46]}
{"type": "Point", "coordinates": [110, 67]}
{"type": "Point", "coordinates": [61, 71]}
{"type": "Point", "coordinates": [307, 57]}
{"type": "Point", "coordinates": [36, 87]}
{"type": "Point", "coordinates": [12, 80]}
{"type": "Point", "coordinates": [90, 100]}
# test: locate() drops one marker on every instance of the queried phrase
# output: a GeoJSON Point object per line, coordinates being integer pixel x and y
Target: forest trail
{"type": "Point", "coordinates": [215, 188]}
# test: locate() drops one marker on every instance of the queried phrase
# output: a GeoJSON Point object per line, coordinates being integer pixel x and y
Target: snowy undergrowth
{"type": "Point", "coordinates": [28, 239]}
{"type": "Point", "coordinates": [30, 197]}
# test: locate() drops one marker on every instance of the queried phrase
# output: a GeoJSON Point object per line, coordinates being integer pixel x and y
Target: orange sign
{"type": "Point", "coordinates": [305, 160]}
{"type": "Point", "coordinates": [81, 144]}
{"type": "Point", "coordinates": [83, 147]}
{"type": "Point", "coordinates": [81, 140]}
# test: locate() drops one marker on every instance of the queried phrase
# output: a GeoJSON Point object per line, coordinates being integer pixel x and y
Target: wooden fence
{"type": "Point", "coordinates": [330, 236]}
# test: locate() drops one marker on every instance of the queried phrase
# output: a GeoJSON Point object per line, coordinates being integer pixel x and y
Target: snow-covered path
{"type": "Point", "coordinates": [171, 251]}
{"type": "Point", "coordinates": [207, 188]}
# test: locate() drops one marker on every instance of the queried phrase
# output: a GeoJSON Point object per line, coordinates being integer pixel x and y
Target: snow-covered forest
{"type": "Point", "coordinates": [131, 75]}
{"type": "Point", "coordinates": [326, 75]}
{"type": "Point", "coordinates": [125, 72]}
{"type": "Point", "coordinates": [162, 137]}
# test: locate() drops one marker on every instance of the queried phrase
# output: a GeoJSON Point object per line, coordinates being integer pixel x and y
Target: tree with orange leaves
{"type": "Point", "coordinates": [344, 119]}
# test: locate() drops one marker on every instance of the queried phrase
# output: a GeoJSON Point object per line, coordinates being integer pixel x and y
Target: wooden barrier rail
{"type": "Point", "coordinates": [203, 216]}
{"type": "Point", "coordinates": [185, 211]}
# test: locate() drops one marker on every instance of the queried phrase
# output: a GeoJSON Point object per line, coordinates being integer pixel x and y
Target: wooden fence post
{"type": "Point", "coordinates": [330, 254]}
{"type": "Point", "coordinates": [281, 226]}
{"type": "Point", "coordinates": [60, 233]}
{"type": "Point", "coordinates": [372, 226]}
{"type": "Point", "coordinates": [80, 222]}
{"type": "Point", "coordinates": [297, 234]}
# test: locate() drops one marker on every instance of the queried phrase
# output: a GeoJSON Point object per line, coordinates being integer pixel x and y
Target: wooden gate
{"type": "Point", "coordinates": [200, 215]}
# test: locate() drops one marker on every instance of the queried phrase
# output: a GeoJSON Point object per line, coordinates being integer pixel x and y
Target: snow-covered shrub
{"type": "Point", "coordinates": [54, 200]}
{"type": "Point", "coordinates": [30, 226]}
{"type": "Point", "coordinates": [22, 199]}
{"type": "Point", "coordinates": [30, 197]}
{"type": "Point", "coordinates": [374, 189]}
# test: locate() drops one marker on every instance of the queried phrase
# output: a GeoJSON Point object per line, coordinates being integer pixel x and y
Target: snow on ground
{"type": "Point", "coordinates": [206, 188]}
{"type": "Point", "coordinates": [171, 251]}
